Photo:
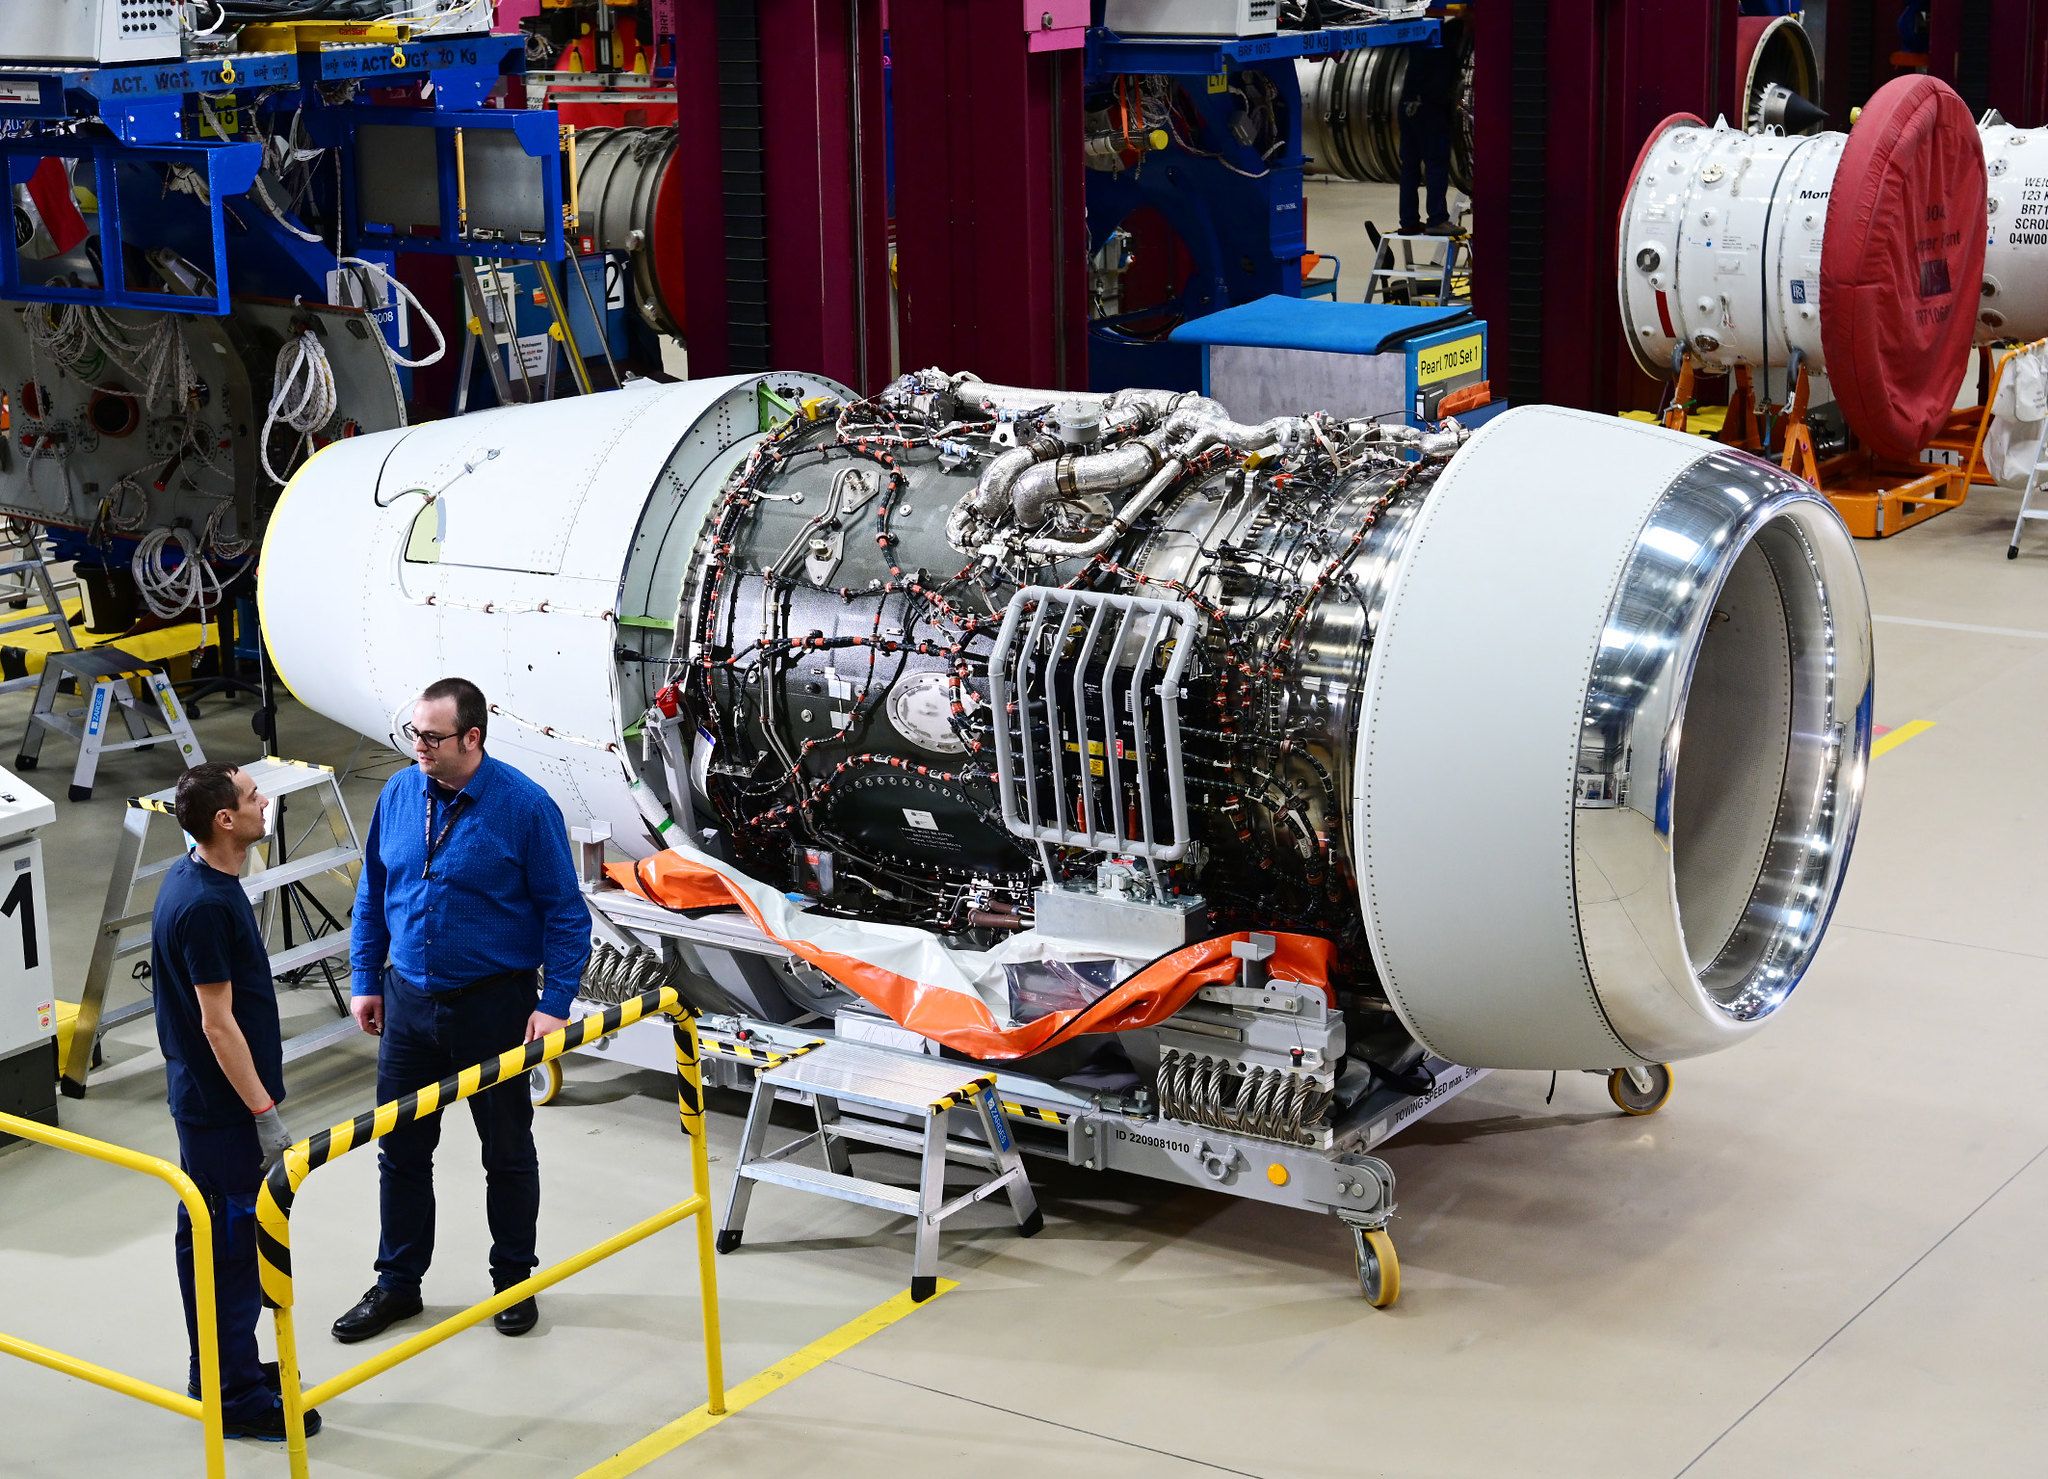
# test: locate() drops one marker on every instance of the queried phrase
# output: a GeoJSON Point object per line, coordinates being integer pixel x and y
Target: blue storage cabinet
{"type": "Point", "coordinates": [1282, 355]}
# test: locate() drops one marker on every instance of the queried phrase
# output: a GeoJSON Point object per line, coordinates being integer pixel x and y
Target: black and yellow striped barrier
{"type": "Point", "coordinates": [1034, 1113]}
{"type": "Point", "coordinates": [281, 1189]}
{"type": "Point", "coordinates": [964, 1093]}
{"type": "Point", "coordinates": [771, 1056]}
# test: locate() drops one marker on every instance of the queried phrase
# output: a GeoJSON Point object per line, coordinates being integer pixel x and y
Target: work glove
{"type": "Point", "coordinates": [273, 1136]}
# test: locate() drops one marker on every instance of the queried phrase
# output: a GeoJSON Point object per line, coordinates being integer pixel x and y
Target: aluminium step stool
{"type": "Point", "coordinates": [2027, 494]}
{"type": "Point", "coordinates": [1405, 269]}
{"type": "Point", "coordinates": [270, 885]}
{"type": "Point", "coordinates": [25, 581]}
{"type": "Point", "coordinates": [856, 1090]}
{"type": "Point", "coordinates": [102, 675]}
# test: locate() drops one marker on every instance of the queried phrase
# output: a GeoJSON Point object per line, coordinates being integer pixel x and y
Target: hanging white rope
{"type": "Point", "coordinates": [302, 396]}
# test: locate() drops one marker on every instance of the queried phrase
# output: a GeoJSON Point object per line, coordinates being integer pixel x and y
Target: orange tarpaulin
{"type": "Point", "coordinates": [962, 1021]}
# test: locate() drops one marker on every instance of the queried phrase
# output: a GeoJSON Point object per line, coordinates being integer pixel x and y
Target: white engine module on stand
{"type": "Point", "coordinates": [1192, 17]}
{"type": "Point", "coordinates": [28, 1009]}
{"type": "Point", "coordinates": [88, 31]}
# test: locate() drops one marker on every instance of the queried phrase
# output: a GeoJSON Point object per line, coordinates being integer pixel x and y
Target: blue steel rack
{"type": "Point", "coordinates": [146, 107]}
{"type": "Point", "coordinates": [1238, 217]}
{"type": "Point", "coordinates": [1211, 56]}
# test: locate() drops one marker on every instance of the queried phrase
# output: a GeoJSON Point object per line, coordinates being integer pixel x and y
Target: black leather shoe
{"type": "Point", "coordinates": [270, 1379]}
{"type": "Point", "coordinates": [379, 1310]}
{"type": "Point", "coordinates": [517, 1319]}
{"type": "Point", "coordinates": [266, 1425]}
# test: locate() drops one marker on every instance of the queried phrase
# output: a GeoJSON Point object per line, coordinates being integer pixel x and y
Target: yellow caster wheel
{"type": "Point", "coordinates": [1639, 1091]}
{"type": "Point", "coordinates": [545, 1082]}
{"type": "Point", "coordinates": [1379, 1267]}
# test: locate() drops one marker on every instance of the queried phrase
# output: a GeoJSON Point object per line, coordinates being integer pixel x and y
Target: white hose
{"type": "Point", "coordinates": [170, 591]}
{"type": "Point", "coordinates": [303, 396]}
{"type": "Point", "coordinates": [440, 339]}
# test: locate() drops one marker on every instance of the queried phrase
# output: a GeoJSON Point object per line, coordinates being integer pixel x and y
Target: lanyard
{"type": "Point", "coordinates": [434, 839]}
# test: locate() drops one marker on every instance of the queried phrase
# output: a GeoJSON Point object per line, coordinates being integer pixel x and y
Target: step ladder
{"type": "Point", "coordinates": [276, 884]}
{"type": "Point", "coordinates": [491, 298]}
{"type": "Point", "coordinates": [2027, 493]}
{"type": "Point", "coordinates": [102, 675]}
{"type": "Point", "coordinates": [1422, 271]}
{"type": "Point", "coordinates": [873, 1096]}
{"type": "Point", "coordinates": [28, 581]}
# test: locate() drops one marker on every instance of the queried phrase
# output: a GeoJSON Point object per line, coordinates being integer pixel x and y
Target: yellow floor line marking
{"type": "Point", "coordinates": [754, 1388]}
{"type": "Point", "coordinates": [1897, 737]}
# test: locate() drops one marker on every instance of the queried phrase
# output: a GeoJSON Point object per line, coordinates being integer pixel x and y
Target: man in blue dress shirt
{"type": "Point", "coordinates": [469, 937]}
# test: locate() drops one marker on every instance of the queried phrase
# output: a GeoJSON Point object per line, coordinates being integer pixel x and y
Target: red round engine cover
{"type": "Point", "coordinates": [668, 241]}
{"type": "Point", "coordinates": [1902, 263]}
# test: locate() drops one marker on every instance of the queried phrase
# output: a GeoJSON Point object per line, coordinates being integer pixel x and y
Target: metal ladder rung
{"type": "Point", "coordinates": [313, 1039]}
{"type": "Point", "coordinates": [41, 618]}
{"type": "Point", "coordinates": [256, 885]}
{"type": "Point", "coordinates": [911, 1142]}
{"type": "Point", "coordinates": [109, 747]}
{"type": "Point", "coordinates": [831, 1184]}
{"type": "Point", "coordinates": [275, 778]}
{"type": "Point", "coordinates": [321, 947]}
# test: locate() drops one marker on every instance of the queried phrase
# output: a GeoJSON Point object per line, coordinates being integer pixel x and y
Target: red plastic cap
{"type": "Point", "coordinates": [1902, 264]}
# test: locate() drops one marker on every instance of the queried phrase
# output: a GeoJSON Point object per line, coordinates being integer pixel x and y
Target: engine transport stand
{"type": "Point", "coordinates": [1186, 1134]}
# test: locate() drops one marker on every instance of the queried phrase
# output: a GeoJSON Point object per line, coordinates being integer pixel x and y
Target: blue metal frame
{"type": "Point", "coordinates": [538, 131]}
{"type": "Point", "coordinates": [227, 169]}
{"type": "Point", "coordinates": [142, 104]}
{"type": "Point", "coordinates": [1241, 218]}
{"type": "Point", "coordinates": [145, 107]}
{"type": "Point", "coordinates": [1208, 56]}
{"type": "Point", "coordinates": [463, 69]}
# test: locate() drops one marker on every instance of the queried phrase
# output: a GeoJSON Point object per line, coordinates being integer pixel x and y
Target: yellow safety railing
{"type": "Point", "coordinates": [274, 1204]}
{"type": "Point", "coordinates": [206, 1408]}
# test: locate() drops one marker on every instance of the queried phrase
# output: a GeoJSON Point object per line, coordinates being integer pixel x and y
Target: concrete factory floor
{"type": "Point", "coordinates": [1822, 1257]}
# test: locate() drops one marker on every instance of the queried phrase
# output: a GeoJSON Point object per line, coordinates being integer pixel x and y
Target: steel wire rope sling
{"type": "Point", "coordinates": [281, 1189]}
{"type": "Point", "coordinates": [206, 1407]}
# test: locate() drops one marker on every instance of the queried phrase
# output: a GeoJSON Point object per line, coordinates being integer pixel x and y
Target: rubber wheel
{"type": "Point", "coordinates": [545, 1082]}
{"type": "Point", "coordinates": [1633, 1101]}
{"type": "Point", "coordinates": [1379, 1267]}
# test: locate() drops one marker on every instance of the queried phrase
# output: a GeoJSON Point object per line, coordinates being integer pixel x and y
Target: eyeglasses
{"type": "Point", "coordinates": [425, 737]}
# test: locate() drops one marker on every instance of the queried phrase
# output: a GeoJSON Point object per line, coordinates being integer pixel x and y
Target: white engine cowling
{"type": "Point", "coordinates": [2015, 301]}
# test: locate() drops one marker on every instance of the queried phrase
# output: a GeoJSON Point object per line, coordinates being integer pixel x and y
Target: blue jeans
{"type": "Point", "coordinates": [226, 1163]}
{"type": "Point", "coordinates": [1425, 152]}
{"type": "Point", "coordinates": [428, 1037]}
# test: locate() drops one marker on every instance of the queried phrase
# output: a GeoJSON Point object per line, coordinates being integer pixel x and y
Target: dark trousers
{"type": "Point", "coordinates": [226, 1164]}
{"type": "Point", "coordinates": [428, 1037]}
{"type": "Point", "coordinates": [1425, 150]}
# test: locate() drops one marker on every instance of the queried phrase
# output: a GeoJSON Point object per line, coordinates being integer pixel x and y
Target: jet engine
{"type": "Point", "coordinates": [1557, 732]}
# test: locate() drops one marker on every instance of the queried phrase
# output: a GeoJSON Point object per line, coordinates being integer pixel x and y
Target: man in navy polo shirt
{"type": "Point", "coordinates": [467, 894]}
{"type": "Point", "coordinates": [216, 1017]}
